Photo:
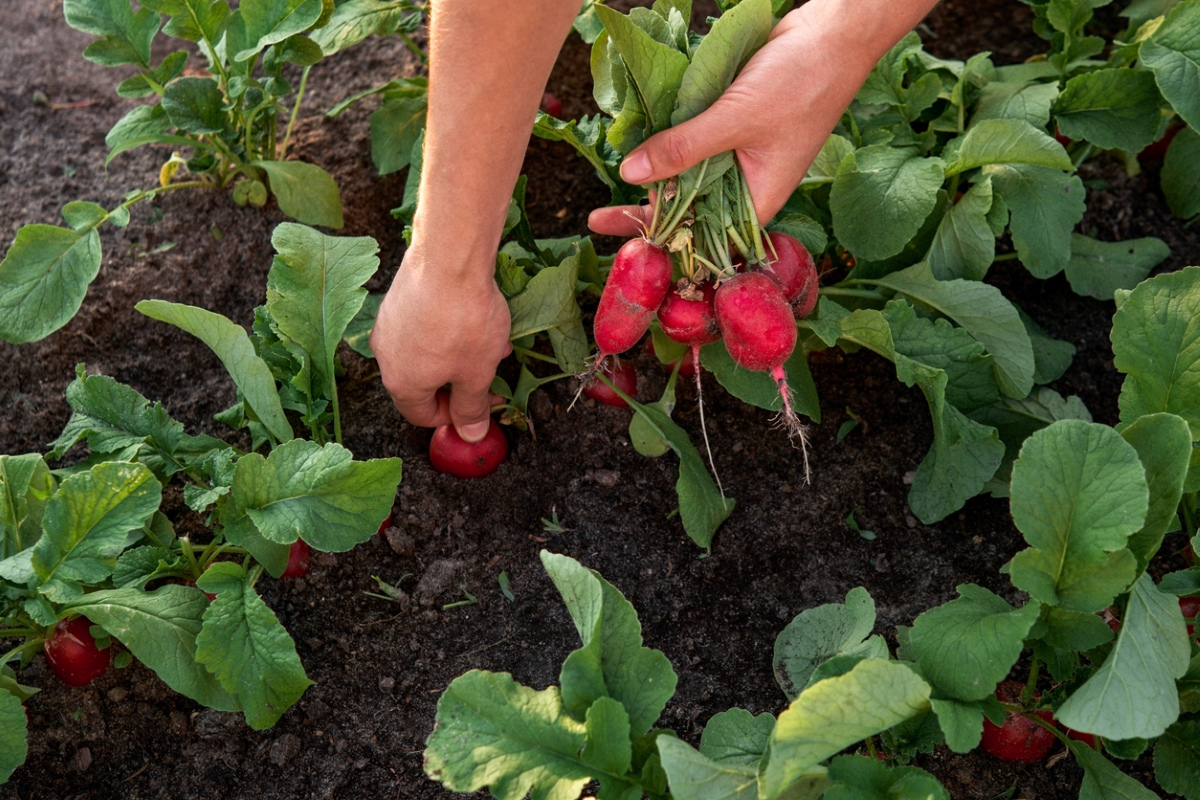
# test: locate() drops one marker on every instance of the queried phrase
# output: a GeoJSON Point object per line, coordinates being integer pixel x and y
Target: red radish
{"type": "Point", "coordinates": [72, 653]}
{"type": "Point", "coordinates": [387, 523]}
{"type": "Point", "coordinates": [299, 560]}
{"type": "Point", "coordinates": [793, 270]}
{"type": "Point", "coordinates": [1086, 738]}
{"type": "Point", "coordinates": [1020, 738]}
{"type": "Point", "coordinates": [448, 452]}
{"type": "Point", "coordinates": [760, 334]}
{"type": "Point", "coordinates": [636, 287]}
{"type": "Point", "coordinates": [623, 375]}
{"type": "Point", "coordinates": [1062, 138]}
{"type": "Point", "coordinates": [687, 314]}
{"type": "Point", "coordinates": [1190, 606]}
{"type": "Point", "coordinates": [552, 105]}
{"type": "Point", "coordinates": [1189, 555]}
{"type": "Point", "coordinates": [190, 582]}
{"type": "Point", "coordinates": [1157, 151]}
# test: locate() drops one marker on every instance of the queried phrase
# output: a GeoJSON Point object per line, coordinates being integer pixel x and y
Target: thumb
{"type": "Point", "coordinates": [470, 411]}
{"type": "Point", "coordinates": [668, 153]}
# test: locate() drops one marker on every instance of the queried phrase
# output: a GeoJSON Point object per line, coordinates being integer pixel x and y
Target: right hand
{"type": "Point", "coordinates": [434, 329]}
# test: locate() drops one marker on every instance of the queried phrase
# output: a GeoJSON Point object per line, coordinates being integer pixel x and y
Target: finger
{"type": "Point", "coordinates": [430, 410]}
{"type": "Point", "coordinates": [471, 410]}
{"type": "Point", "coordinates": [666, 154]}
{"type": "Point", "coordinates": [620, 220]}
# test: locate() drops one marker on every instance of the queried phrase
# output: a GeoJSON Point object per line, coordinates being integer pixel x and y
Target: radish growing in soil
{"type": "Point", "coordinates": [623, 375]}
{"type": "Point", "coordinates": [299, 560]}
{"type": "Point", "coordinates": [552, 105]}
{"type": "Point", "coordinates": [760, 334]}
{"type": "Point", "coordinates": [73, 655]}
{"type": "Point", "coordinates": [1019, 738]}
{"type": "Point", "coordinates": [450, 453]}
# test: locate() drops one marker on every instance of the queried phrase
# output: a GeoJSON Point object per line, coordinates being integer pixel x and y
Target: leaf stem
{"type": "Point", "coordinates": [521, 351]}
{"type": "Point", "coordinates": [414, 47]}
{"type": "Point", "coordinates": [867, 294]}
{"type": "Point", "coordinates": [287, 135]}
{"type": "Point", "coordinates": [185, 544]}
{"type": "Point", "coordinates": [1007, 257]}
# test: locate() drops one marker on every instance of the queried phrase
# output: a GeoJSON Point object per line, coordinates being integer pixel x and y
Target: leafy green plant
{"type": "Point", "coordinates": [231, 122]}
{"type": "Point", "coordinates": [89, 539]}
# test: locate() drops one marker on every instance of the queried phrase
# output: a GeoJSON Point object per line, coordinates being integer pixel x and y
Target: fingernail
{"type": "Point", "coordinates": [473, 432]}
{"type": "Point", "coordinates": [636, 167]}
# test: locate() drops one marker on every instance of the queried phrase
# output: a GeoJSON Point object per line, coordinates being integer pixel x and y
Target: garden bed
{"type": "Point", "coordinates": [379, 667]}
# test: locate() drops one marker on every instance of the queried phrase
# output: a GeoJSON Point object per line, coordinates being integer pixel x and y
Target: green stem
{"type": "Point", "coordinates": [521, 351]}
{"type": "Point", "coordinates": [29, 644]}
{"type": "Point", "coordinates": [870, 742]}
{"type": "Point", "coordinates": [337, 416]}
{"type": "Point", "coordinates": [1029, 692]}
{"type": "Point", "coordinates": [1083, 155]}
{"type": "Point", "coordinates": [682, 208]}
{"type": "Point", "coordinates": [12, 633]}
{"type": "Point", "coordinates": [287, 135]}
{"type": "Point", "coordinates": [1189, 517]}
{"type": "Point", "coordinates": [751, 216]}
{"type": "Point", "coordinates": [1007, 257]}
{"type": "Point", "coordinates": [411, 45]}
{"type": "Point", "coordinates": [186, 545]}
{"type": "Point", "coordinates": [868, 294]}
{"type": "Point", "coordinates": [658, 194]}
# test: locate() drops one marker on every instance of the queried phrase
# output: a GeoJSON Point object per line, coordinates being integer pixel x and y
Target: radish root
{"type": "Point", "coordinates": [703, 426]}
{"type": "Point", "coordinates": [796, 430]}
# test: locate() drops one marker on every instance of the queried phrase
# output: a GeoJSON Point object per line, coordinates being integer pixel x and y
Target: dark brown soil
{"type": "Point", "coordinates": [379, 667]}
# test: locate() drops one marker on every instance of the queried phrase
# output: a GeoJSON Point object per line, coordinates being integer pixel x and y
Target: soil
{"type": "Point", "coordinates": [379, 667]}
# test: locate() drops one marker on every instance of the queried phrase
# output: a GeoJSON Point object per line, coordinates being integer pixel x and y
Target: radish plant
{"type": "Point", "coordinates": [88, 542]}
{"type": "Point", "coordinates": [230, 121]}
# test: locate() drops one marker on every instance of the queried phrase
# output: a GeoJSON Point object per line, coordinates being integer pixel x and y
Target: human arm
{"type": "Point", "coordinates": [444, 320]}
{"type": "Point", "coordinates": [781, 108]}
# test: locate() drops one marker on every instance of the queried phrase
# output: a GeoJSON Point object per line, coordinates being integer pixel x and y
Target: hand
{"type": "Point", "coordinates": [432, 331]}
{"type": "Point", "coordinates": [776, 115]}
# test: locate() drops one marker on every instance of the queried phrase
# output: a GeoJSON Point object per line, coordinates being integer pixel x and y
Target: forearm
{"type": "Point", "coordinates": [489, 62]}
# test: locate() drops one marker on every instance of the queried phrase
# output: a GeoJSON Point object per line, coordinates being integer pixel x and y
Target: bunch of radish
{"type": "Point", "coordinates": [701, 297]}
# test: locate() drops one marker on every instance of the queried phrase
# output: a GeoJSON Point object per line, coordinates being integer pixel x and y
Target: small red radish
{"type": "Point", "coordinates": [1019, 738]}
{"type": "Point", "coordinates": [636, 287]}
{"type": "Point", "coordinates": [1062, 138]}
{"type": "Point", "coordinates": [450, 453]}
{"type": "Point", "coordinates": [72, 653]}
{"type": "Point", "coordinates": [387, 523]}
{"type": "Point", "coordinates": [552, 105]}
{"type": "Point", "coordinates": [687, 314]}
{"type": "Point", "coordinates": [792, 268]}
{"type": "Point", "coordinates": [1086, 738]}
{"type": "Point", "coordinates": [1190, 606]}
{"type": "Point", "coordinates": [1157, 151]}
{"type": "Point", "coordinates": [623, 375]}
{"type": "Point", "coordinates": [299, 561]}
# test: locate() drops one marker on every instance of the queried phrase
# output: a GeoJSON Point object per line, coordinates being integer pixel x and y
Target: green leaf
{"type": "Point", "coordinates": [548, 300]}
{"type": "Point", "coordinates": [702, 506]}
{"type": "Point", "coordinates": [268, 22]}
{"type": "Point", "coordinates": [862, 778]}
{"type": "Point", "coordinates": [1181, 174]}
{"type": "Point", "coordinates": [1173, 54]}
{"type": "Point", "coordinates": [1156, 341]}
{"type": "Point", "coordinates": [825, 166]}
{"type": "Point", "coordinates": [358, 332]}
{"type": "Point", "coordinates": [589, 138]}
{"type": "Point", "coordinates": [1163, 443]}
{"type": "Point", "coordinates": [127, 35]}
{"type": "Point", "coordinates": [1097, 269]}
{"type": "Point", "coordinates": [1102, 780]}
{"type": "Point", "coordinates": [970, 380]}
{"type": "Point", "coordinates": [25, 486]}
{"type": "Point", "coordinates": [43, 279]}
{"type": "Point", "coordinates": [305, 192]}
{"type": "Point", "coordinates": [1111, 108]}
{"type": "Point", "coordinates": [394, 130]}
{"type": "Point", "coordinates": [730, 43]}
{"type": "Point", "coordinates": [836, 713]}
{"type": "Point", "coordinates": [1017, 420]}
{"type": "Point", "coordinates": [759, 388]}
{"type": "Point", "coordinates": [693, 776]}
{"type": "Point", "coordinates": [140, 565]}
{"type": "Point", "coordinates": [1024, 101]}
{"type": "Point", "coordinates": [656, 69]}
{"type": "Point", "coordinates": [355, 20]}
{"type": "Point", "coordinates": [143, 125]}
{"type": "Point", "coordinates": [193, 20]}
{"type": "Point", "coordinates": [243, 645]}
{"type": "Point", "coordinates": [737, 737]}
{"type": "Point", "coordinates": [318, 494]}
{"type": "Point", "coordinates": [491, 731]}
{"type": "Point", "coordinates": [880, 197]}
{"type": "Point", "coordinates": [808, 231]}
{"type": "Point", "coordinates": [13, 732]}
{"type": "Point", "coordinates": [160, 629]}
{"type": "Point", "coordinates": [1078, 493]}
{"type": "Point", "coordinates": [232, 345]}
{"type": "Point", "coordinates": [314, 290]}
{"type": "Point", "coordinates": [1133, 694]}
{"type": "Point", "coordinates": [88, 521]}
{"type": "Point", "coordinates": [1075, 631]}
{"type": "Point", "coordinates": [1008, 141]}
{"type": "Point", "coordinates": [1046, 205]}
{"type": "Point", "coordinates": [821, 633]}
{"type": "Point", "coordinates": [1175, 758]}
{"type": "Point", "coordinates": [608, 747]}
{"type": "Point", "coordinates": [1052, 357]}
{"type": "Point", "coordinates": [964, 455]}
{"type": "Point", "coordinates": [196, 105]}
{"type": "Point", "coordinates": [612, 661]}
{"type": "Point", "coordinates": [964, 246]}
{"type": "Point", "coordinates": [967, 646]}
{"type": "Point", "coordinates": [983, 311]}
